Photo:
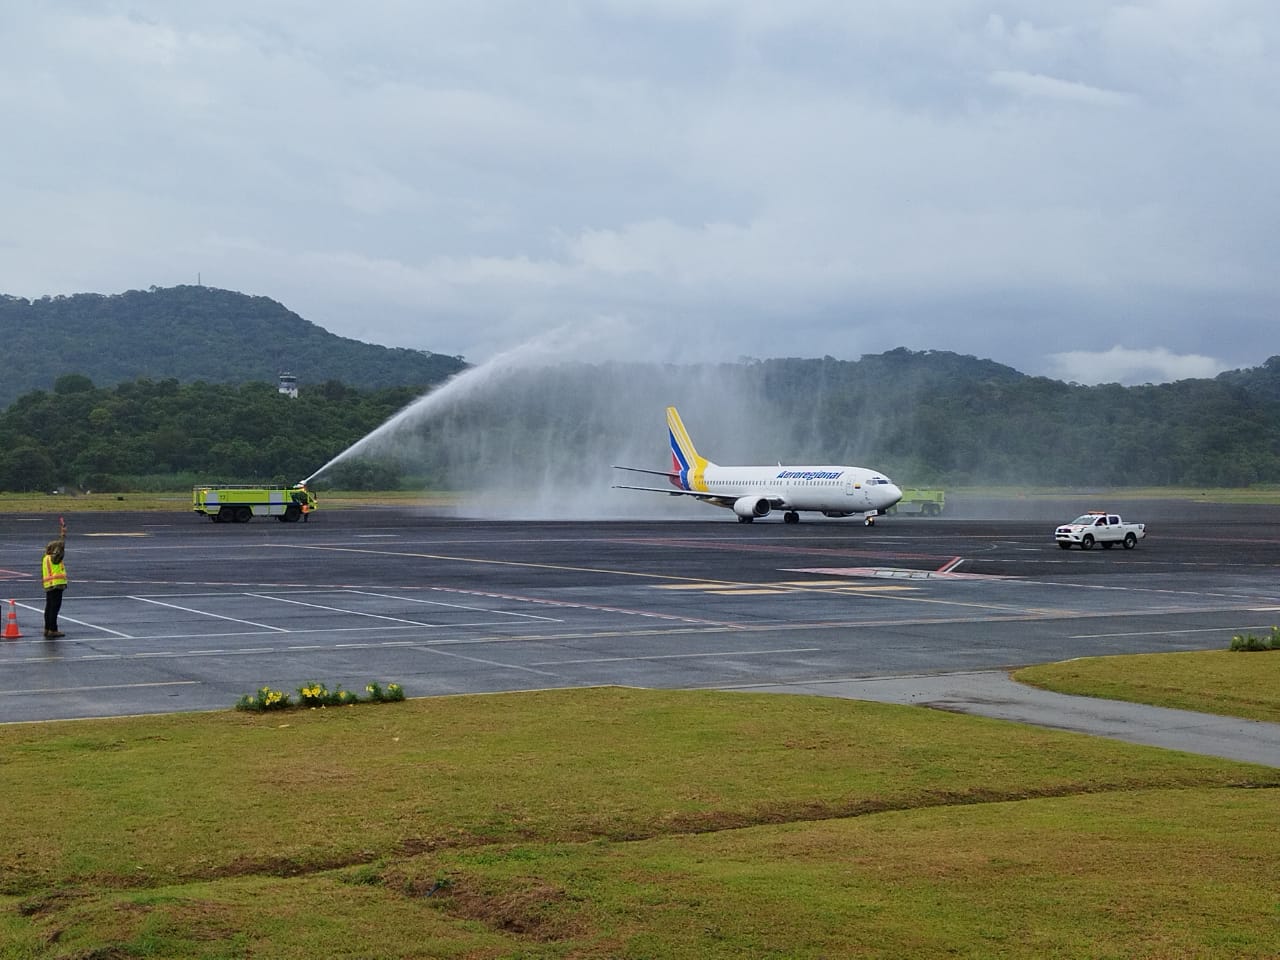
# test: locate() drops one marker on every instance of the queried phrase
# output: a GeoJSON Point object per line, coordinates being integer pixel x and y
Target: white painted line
{"type": "Point", "coordinates": [206, 613]}
{"type": "Point", "coordinates": [1159, 633]}
{"type": "Point", "coordinates": [452, 606]}
{"type": "Point", "coordinates": [681, 656]}
{"type": "Point", "coordinates": [115, 686]}
{"type": "Point", "coordinates": [94, 626]}
{"type": "Point", "coordinates": [343, 610]}
{"type": "Point", "coordinates": [492, 663]}
{"type": "Point", "coordinates": [79, 623]}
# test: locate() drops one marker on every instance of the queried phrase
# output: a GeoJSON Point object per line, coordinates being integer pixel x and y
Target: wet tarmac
{"type": "Point", "coordinates": [170, 612]}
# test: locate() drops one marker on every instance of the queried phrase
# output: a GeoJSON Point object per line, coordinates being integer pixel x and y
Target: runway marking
{"type": "Point", "coordinates": [452, 606]}
{"type": "Point", "coordinates": [15, 575]}
{"type": "Point", "coordinates": [63, 618]}
{"type": "Point", "coordinates": [945, 572]}
{"type": "Point", "coordinates": [785, 586]}
{"type": "Point", "coordinates": [43, 691]}
{"type": "Point", "coordinates": [491, 663]}
{"type": "Point", "coordinates": [350, 613]}
{"type": "Point", "coordinates": [1160, 633]}
{"type": "Point", "coordinates": [138, 534]}
{"type": "Point", "coordinates": [681, 656]}
{"type": "Point", "coordinates": [522, 563]}
{"type": "Point", "coordinates": [206, 613]}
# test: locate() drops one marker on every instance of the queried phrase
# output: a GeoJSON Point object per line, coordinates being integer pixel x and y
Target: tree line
{"type": "Point", "coordinates": [928, 417]}
{"type": "Point", "coordinates": [149, 434]}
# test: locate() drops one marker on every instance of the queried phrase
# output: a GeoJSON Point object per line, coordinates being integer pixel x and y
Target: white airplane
{"type": "Point", "coordinates": [752, 492]}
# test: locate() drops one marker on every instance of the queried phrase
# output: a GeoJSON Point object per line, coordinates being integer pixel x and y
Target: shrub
{"type": "Point", "coordinates": [391, 693]}
{"type": "Point", "coordinates": [1249, 642]}
{"type": "Point", "coordinates": [315, 694]}
{"type": "Point", "coordinates": [265, 699]}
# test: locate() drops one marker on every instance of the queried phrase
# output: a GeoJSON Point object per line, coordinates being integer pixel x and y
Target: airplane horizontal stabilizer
{"type": "Point", "coordinates": [657, 473]}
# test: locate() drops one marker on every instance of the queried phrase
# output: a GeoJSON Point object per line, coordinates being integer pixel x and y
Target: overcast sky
{"type": "Point", "coordinates": [1086, 190]}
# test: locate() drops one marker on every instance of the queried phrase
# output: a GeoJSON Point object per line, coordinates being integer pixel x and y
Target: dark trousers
{"type": "Point", "coordinates": [52, 604]}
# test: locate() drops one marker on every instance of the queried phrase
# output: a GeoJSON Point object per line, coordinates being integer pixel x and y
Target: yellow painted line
{"type": "Point", "coordinates": [851, 588]}
{"type": "Point", "coordinates": [568, 568]}
{"type": "Point", "coordinates": [788, 586]}
{"type": "Point", "coordinates": [814, 583]}
{"type": "Point", "coordinates": [115, 534]}
{"type": "Point", "coordinates": [747, 592]}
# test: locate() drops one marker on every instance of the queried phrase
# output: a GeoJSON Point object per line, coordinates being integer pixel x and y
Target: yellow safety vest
{"type": "Point", "coordinates": [55, 574]}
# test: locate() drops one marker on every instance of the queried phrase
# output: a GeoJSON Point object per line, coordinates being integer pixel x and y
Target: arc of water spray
{"type": "Point", "coordinates": [546, 349]}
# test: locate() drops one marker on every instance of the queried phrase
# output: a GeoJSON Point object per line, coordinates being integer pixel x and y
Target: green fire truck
{"type": "Point", "coordinates": [240, 503]}
{"type": "Point", "coordinates": [927, 503]}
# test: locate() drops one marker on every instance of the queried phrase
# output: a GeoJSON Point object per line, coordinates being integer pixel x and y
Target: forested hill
{"type": "Point", "coordinates": [191, 333]}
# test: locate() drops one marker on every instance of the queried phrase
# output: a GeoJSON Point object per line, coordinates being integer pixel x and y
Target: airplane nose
{"type": "Point", "coordinates": [892, 493]}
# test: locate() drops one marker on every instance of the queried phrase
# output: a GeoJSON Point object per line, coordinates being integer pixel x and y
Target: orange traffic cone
{"type": "Point", "coordinates": [11, 631]}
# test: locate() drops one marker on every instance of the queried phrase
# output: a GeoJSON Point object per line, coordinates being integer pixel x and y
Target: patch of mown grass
{"type": "Point", "coordinates": [1210, 681]}
{"type": "Point", "coordinates": [608, 822]}
{"type": "Point", "coordinates": [1259, 494]}
{"type": "Point", "coordinates": [55, 503]}
{"type": "Point", "coordinates": [179, 501]}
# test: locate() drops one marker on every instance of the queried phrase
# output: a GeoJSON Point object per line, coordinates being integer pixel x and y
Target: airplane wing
{"type": "Point", "coordinates": [675, 492]}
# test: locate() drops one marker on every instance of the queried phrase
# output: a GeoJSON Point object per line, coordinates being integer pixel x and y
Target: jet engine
{"type": "Point", "coordinates": [748, 508]}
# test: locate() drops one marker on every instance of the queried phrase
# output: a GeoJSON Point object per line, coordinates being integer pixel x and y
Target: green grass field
{"type": "Point", "coordinates": [1215, 681]}
{"type": "Point", "coordinates": [621, 823]}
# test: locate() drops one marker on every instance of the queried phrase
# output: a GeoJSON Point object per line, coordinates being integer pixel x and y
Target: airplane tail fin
{"type": "Point", "coordinates": [685, 460]}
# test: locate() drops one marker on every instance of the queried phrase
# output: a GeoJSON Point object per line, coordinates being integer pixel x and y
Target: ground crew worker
{"type": "Point", "coordinates": [302, 498]}
{"type": "Point", "coordinates": [54, 574]}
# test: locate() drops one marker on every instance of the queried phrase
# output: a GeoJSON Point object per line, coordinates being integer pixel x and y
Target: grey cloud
{"type": "Point", "coordinates": [810, 178]}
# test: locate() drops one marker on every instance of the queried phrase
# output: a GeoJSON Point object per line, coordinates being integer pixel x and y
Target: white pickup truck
{"type": "Point", "coordinates": [1099, 527]}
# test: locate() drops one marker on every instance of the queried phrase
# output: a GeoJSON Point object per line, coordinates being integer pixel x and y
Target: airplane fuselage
{"type": "Point", "coordinates": [829, 489]}
{"type": "Point", "coordinates": [754, 492]}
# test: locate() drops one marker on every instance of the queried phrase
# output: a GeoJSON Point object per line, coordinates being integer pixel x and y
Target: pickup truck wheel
{"type": "Point", "coordinates": [1130, 541]}
{"type": "Point", "coordinates": [1087, 542]}
{"type": "Point", "coordinates": [1062, 544]}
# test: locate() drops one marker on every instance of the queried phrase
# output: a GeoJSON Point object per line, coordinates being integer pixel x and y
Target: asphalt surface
{"type": "Point", "coordinates": [169, 612]}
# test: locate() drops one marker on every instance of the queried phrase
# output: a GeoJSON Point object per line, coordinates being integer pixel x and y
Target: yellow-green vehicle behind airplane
{"type": "Point", "coordinates": [927, 503]}
{"type": "Point", "coordinates": [240, 503]}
